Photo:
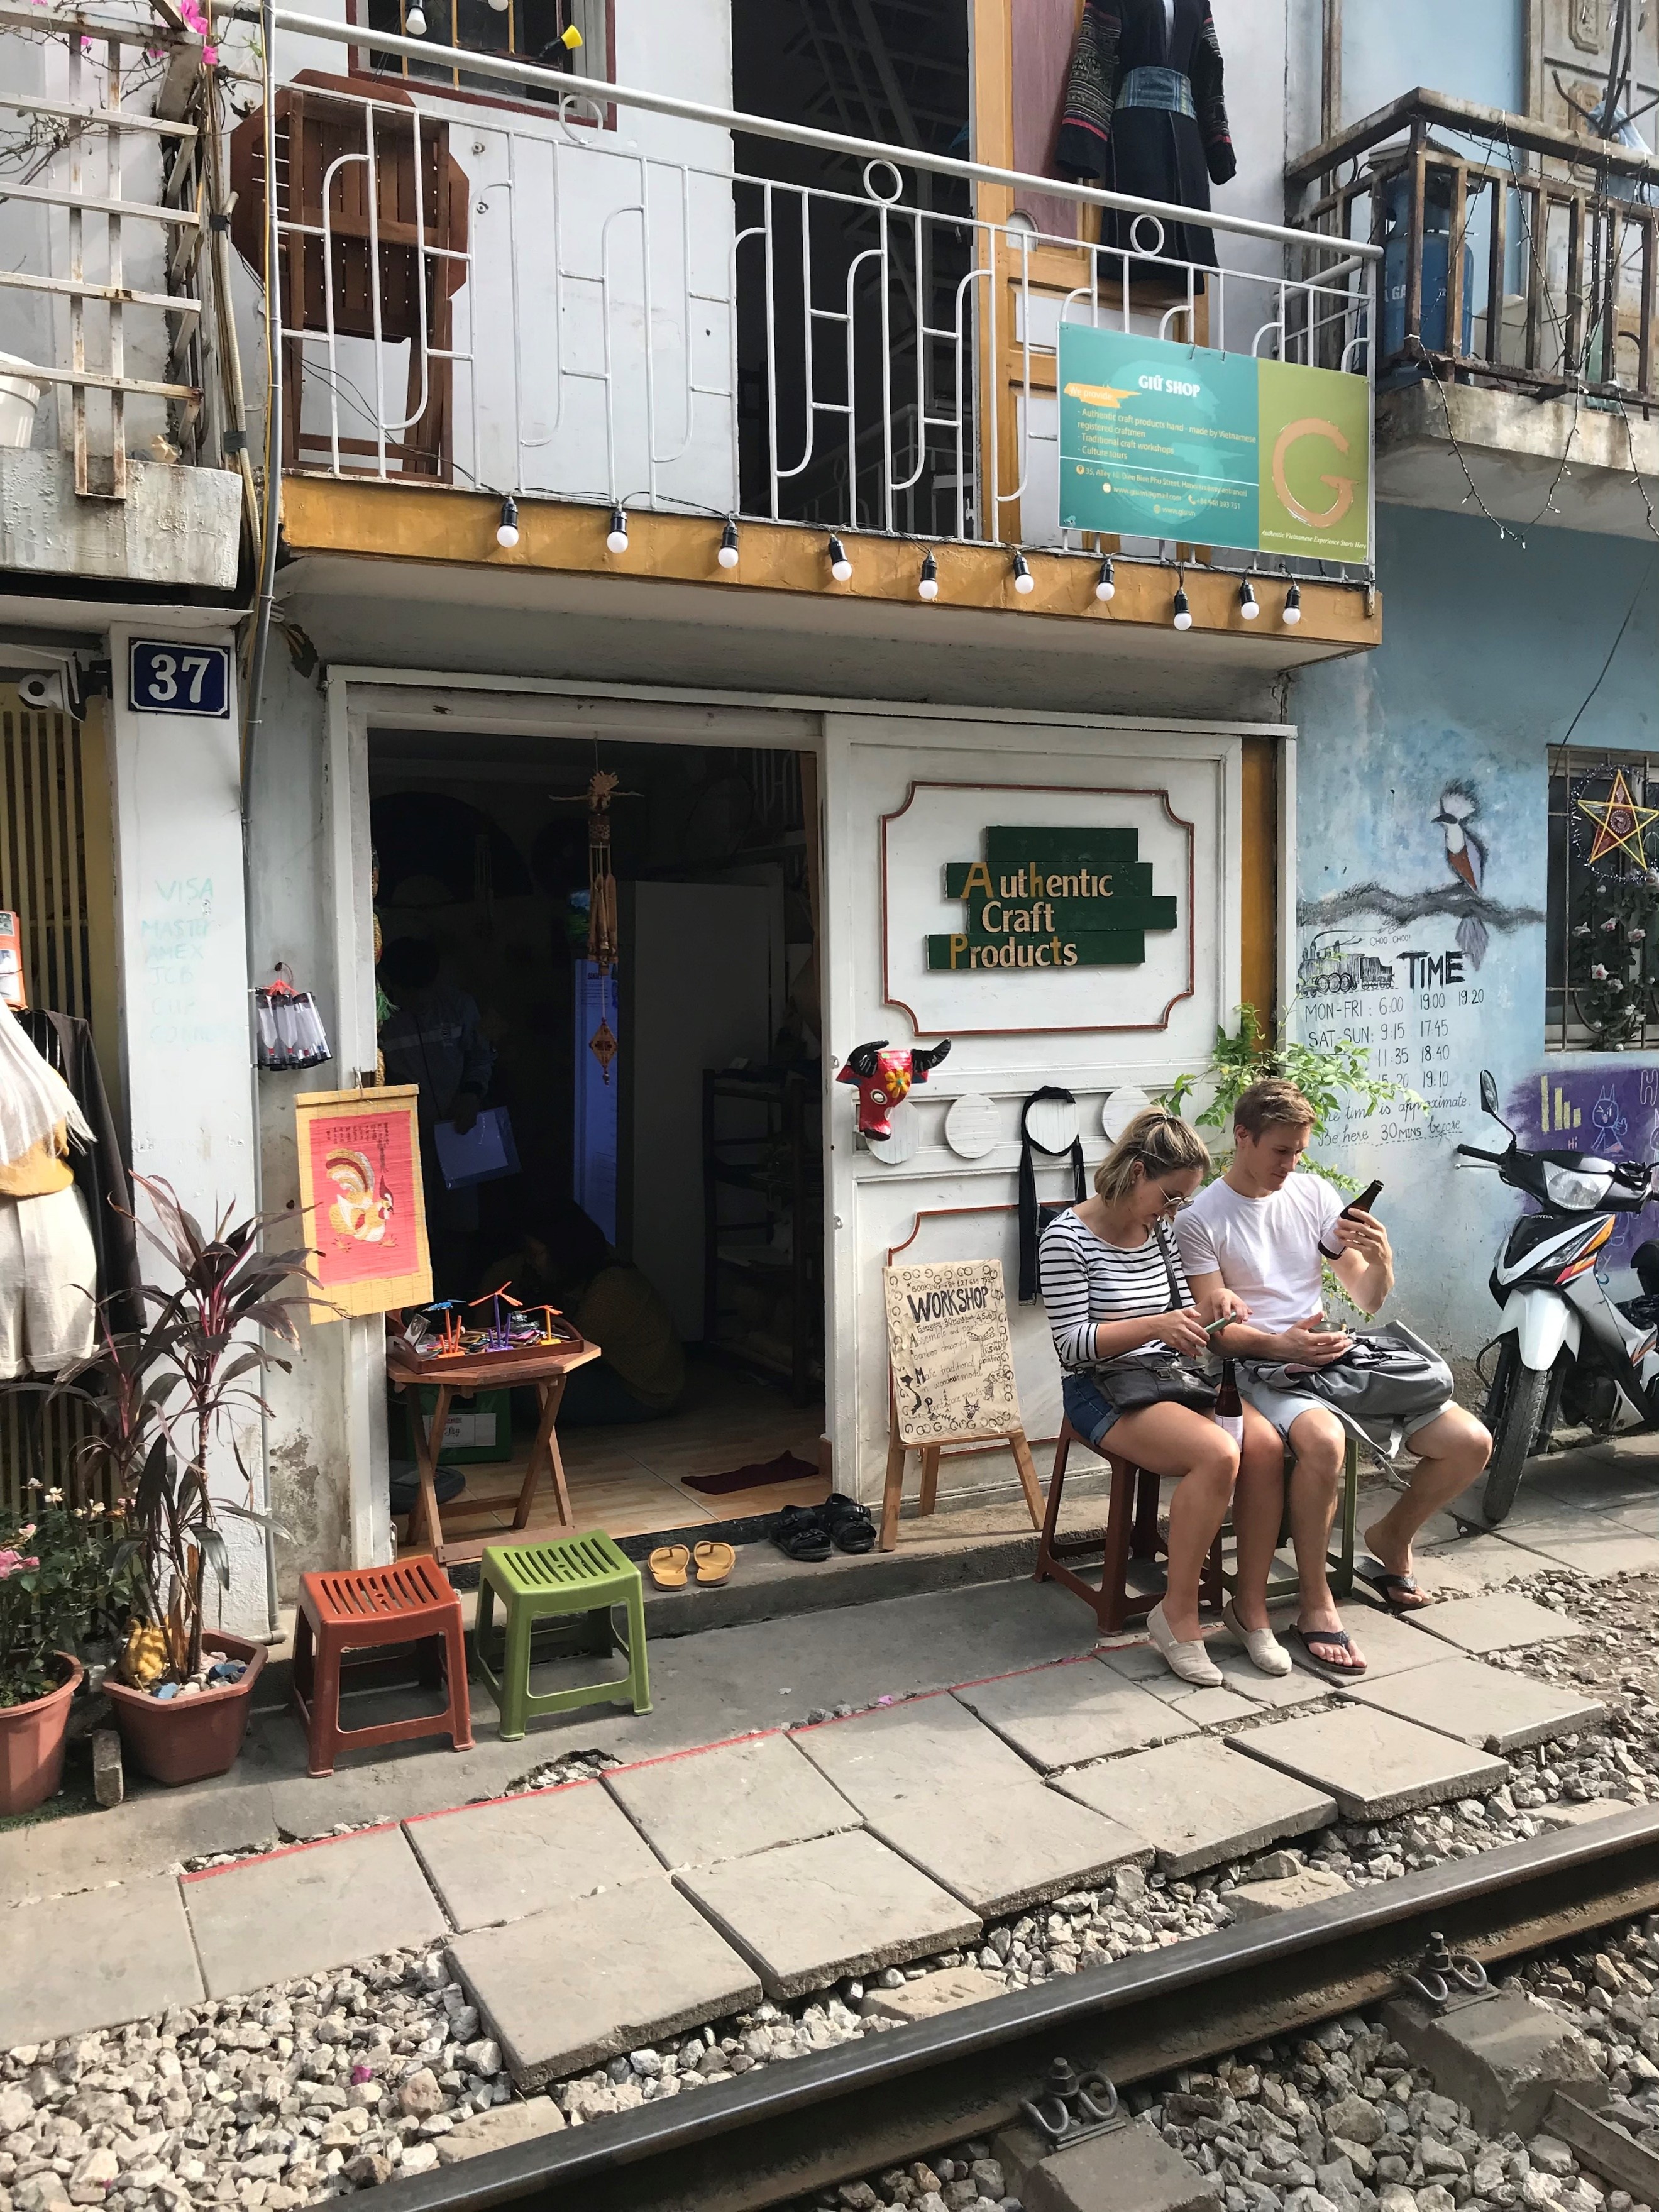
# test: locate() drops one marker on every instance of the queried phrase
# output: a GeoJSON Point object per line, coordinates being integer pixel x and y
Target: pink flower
{"type": "Point", "coordinates": [1598, 974]}
{"type": "Point", "coordinates": [26, 1532]}
{"type": "Point", "coordinates": [13, 1563]}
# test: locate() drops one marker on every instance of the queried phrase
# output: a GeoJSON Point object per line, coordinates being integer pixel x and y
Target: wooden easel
{"type": "Point", "coordinates": [893, 1490]}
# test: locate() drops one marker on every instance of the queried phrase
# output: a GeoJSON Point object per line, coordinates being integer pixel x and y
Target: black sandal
{"type": "Point", "coordinates": [801, 1534]}
{"type": "Point", "coordinates": [850, 1526]}
{"type": "Point", "coordinates": [1307, 1638]}
{"type": "Point", "coordinates": [1377, 1576]}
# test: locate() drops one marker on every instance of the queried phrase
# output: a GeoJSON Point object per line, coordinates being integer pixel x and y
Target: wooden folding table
{"type": "Point", "coordinates": [541, 1366]}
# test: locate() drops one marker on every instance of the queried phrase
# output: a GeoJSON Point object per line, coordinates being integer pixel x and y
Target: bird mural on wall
{"type": "Point", "coordinates": [1466, 856]}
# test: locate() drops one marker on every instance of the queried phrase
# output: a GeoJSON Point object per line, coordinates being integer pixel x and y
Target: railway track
{"type": "Point", "coordinates": [786, 2130]}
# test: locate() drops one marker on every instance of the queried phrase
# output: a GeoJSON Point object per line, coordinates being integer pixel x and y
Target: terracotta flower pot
{"type": "Point", "coordinates": [32, 1744]}
{"type": "Point", "coordinates": [175, 1739]}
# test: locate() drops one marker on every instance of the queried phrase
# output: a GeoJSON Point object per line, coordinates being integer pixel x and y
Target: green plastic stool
{"type": "Point", "coordinates": [572, 1576]}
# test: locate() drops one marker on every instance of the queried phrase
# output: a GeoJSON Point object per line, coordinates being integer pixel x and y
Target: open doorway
{"type": "Point", "coordinates": [659, 1121]}
{"type": "Point", "coordinates": [837, 404]}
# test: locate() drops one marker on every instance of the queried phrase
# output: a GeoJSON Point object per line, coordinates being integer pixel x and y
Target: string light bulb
{"type": "Point", "coordinates": [1183, 613]}
{"type": "Point", "coordinates": [415, 21]}
{"type": "Point", "coordinates": [929, 587]}
{"type": "Point", "coordinates": [507, 534]}
{"type": "Point", "coordinates": [617, 539]}
{"type": "Point", "coordinates": [1247, 601]}
{"type": "Point", "coordinates": [1293, 605]}
{"type": "Point", "coordinates": [1106, 584]}
{"type": "Point", "coordinates": [840, 567]}
{"type": "Point", "coordinates": [727, 555]}
{"type": "Point", "coordinates": [1024, 581]}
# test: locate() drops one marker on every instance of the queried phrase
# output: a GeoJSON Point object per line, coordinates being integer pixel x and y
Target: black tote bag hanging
{"type": "Point", "coordinates": [1034, 1217]}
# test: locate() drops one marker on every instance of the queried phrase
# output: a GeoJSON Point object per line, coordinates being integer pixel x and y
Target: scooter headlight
{"type": "Point", "coordinates": [1572, 1192]}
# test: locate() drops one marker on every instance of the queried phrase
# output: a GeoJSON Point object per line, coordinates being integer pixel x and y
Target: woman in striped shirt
{"type": "Point", "coordinates": [1107, 1268]}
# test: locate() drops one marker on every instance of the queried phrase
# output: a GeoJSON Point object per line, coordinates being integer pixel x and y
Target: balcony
{"type": "Point", "coordinates": [1517, 369]}
{"type": "Point", "coordinates": [116, 408]}
{"type": "Point", "coordinates": [604, 300]}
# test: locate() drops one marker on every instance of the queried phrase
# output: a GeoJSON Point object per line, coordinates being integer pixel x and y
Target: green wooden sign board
{"type": "Point", "coordinates": [1053, 898]}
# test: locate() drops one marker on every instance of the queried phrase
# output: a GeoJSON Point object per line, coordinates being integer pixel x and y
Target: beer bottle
{"type": "Point", "coordinates": [1229, 1407]}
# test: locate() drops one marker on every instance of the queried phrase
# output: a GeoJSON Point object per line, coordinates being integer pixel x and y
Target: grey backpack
{"type": "Point", "coordinates": [1389, 1385]}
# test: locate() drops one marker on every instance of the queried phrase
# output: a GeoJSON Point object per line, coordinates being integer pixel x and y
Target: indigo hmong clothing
{"type": "Point", "coordinates": [1144, 113]}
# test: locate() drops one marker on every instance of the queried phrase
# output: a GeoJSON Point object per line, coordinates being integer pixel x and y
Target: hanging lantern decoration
{"type": "Point", "coordinates": [603, 943]}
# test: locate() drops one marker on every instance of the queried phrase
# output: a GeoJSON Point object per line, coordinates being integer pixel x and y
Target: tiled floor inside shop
{"type": "Point", "coordinates": [630, 1480]}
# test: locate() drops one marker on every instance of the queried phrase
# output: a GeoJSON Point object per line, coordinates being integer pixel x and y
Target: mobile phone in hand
{"type": "Point", "coordinates": [1366, 1199]}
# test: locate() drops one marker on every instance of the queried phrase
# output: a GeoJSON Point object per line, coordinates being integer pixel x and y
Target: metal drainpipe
{"type": "Point", "coordinates": [264, 609]}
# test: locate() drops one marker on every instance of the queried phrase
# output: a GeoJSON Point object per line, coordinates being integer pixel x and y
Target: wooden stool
{"type": "Point", "coordinates": [574, 1576]}
{"type": "Point", "coordinates": [359, 1608]}
{"type": "Point", "coordinates": [1131, 1532]}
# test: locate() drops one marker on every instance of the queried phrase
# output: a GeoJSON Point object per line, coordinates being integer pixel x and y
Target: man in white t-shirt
{"type": "Point", "coordinates": [1258, 1233]}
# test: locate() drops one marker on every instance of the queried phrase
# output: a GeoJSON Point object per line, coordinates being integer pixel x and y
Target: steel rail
{"type": "Point", "coordinates": [806, 2123]}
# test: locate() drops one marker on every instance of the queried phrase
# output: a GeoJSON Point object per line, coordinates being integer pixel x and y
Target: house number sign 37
{"type": "Point", "coordinates": [1053, 898]}
{"type": "Point", "coordinates": [182, 679]}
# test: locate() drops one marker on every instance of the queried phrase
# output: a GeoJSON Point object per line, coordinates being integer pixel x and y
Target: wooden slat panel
{"type": "Point", "coordinates": [1259, 878]}
{"type": "Point", "coordinates": [57, 873]}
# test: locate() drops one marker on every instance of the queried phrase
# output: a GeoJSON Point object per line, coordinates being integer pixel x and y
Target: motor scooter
{"type": "Point", "coordinates": [1564, 1349]}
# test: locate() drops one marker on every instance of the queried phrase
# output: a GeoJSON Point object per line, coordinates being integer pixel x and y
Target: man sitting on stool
{"type": "Point", "coordinates": [1257, 1232]}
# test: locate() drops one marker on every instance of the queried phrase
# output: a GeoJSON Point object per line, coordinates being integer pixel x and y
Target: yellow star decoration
{"type": "Point", "coordinates": [1619, 821]}
{"type": "Point", "coordinates": [1097, 395]}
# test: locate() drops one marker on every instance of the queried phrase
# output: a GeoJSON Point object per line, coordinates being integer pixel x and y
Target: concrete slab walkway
{"type": "Point", "coordinates": [1007, 1764]}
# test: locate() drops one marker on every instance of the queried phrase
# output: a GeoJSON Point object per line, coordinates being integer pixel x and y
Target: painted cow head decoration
{"type": "Point", "coordinates": [884, 1080]}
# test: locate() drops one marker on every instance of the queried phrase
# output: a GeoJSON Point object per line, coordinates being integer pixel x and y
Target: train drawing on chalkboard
{"type": "Point", "coordinates": [1325, 970]}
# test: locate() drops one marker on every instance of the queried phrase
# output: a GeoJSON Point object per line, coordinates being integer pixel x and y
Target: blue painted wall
{"type": "Point", "coordinates": [1490, 649]}
{"type": "Point", "coordinates": [1474, 49]}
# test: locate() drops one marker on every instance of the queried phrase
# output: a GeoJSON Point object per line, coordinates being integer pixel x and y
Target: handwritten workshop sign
{"type": "Point", "coordinates": [1164, 441]}
{"type": "Point", "coordinates": [1053, 898]}
{"type": "Point", "coordinates": [953, 1364]}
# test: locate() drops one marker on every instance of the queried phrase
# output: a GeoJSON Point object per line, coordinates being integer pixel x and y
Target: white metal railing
{"type": "Point", "coordinates": [650, 324]}
{"type": "Point", "coordinates": [91, 139]}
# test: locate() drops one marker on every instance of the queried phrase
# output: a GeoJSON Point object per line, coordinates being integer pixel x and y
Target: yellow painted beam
{"type": "Point", "coordinates": [416, 522]}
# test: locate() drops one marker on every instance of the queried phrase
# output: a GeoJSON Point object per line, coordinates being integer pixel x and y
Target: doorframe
{"type": "Point", "coordinates": [360, 698]}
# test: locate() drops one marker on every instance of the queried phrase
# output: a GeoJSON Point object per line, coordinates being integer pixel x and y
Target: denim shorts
{"type": "Point", "coordinates": [1088, 1408]}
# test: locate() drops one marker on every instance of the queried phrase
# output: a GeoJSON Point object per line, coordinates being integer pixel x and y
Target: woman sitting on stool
{"type": "Point", "coordinates": [1107, 1265]}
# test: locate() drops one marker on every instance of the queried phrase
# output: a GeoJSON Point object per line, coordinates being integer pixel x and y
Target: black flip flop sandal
{"type": "Point", "coordinates": [1375, 1576]}
{"type": "Point", "coordinates": [1323, 1667]}
{"type": "Point", "coordinates": [848, 1523]}
{"type": "Point", "coordinates": [801, 1534]}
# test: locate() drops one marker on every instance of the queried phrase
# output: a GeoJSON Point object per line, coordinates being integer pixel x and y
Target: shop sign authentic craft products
{"type": "Point", "coordinates": [1053, 898]}
{"type": "Point", "coordinates": [1158, 440]}
{"type": "Point", "coordinates": [360, 1192]}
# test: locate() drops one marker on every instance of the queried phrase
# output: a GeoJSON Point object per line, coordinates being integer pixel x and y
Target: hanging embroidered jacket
{"type": "Point", "coordinates": [1144, 113]}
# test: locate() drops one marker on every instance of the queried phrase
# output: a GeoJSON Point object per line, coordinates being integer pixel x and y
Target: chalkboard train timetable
{"type": "Point", "coordinates": [1053, 898]}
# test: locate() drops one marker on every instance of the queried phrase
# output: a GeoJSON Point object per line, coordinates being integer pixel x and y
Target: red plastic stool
{"type": "Point", "coordinates": [361, 1607]}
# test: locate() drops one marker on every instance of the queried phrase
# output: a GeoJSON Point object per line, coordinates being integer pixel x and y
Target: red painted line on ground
{"type": "Point", "coordinates": [288, 1850]}
{"type": "Point", "coordinates": [657, 1759]}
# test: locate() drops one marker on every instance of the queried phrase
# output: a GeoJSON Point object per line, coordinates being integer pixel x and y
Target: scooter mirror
{"type": "Point", "coordinates": [1489, 1094]}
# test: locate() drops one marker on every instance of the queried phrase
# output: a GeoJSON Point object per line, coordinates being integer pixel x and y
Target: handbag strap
{"type": "Point", "coordinates": [1028, 1197]}
{"type": "Point", "coordinates": [1163, 1236]}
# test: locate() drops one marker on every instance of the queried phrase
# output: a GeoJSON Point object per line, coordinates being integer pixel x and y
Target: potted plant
{"type": "Point", "coordinates": [58, 1578]}
{"type": "Point", "coordinates": [165, 1394]}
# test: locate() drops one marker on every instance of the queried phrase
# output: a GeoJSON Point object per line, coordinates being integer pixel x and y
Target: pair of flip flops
{"type": "Point", "coordinates": [669, 1563]}
{"type": "Point", "coordinates": [811, 1533]}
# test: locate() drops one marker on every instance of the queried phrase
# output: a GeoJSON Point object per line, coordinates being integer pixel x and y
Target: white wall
{"type": "Point", "coordinates": [935, 1205]}
{"type": "Point", "coordinates": [182, 954]}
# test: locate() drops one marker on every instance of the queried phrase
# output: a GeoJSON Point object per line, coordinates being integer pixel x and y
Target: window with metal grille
{"type": "Point", "coordinates": [529, 30]}
{"type": "Point", "coordinates": [1601, 958]}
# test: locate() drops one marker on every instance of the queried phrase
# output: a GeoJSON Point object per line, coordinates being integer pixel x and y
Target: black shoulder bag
{"type": "Point", "coordinates": [1137, 1379]}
